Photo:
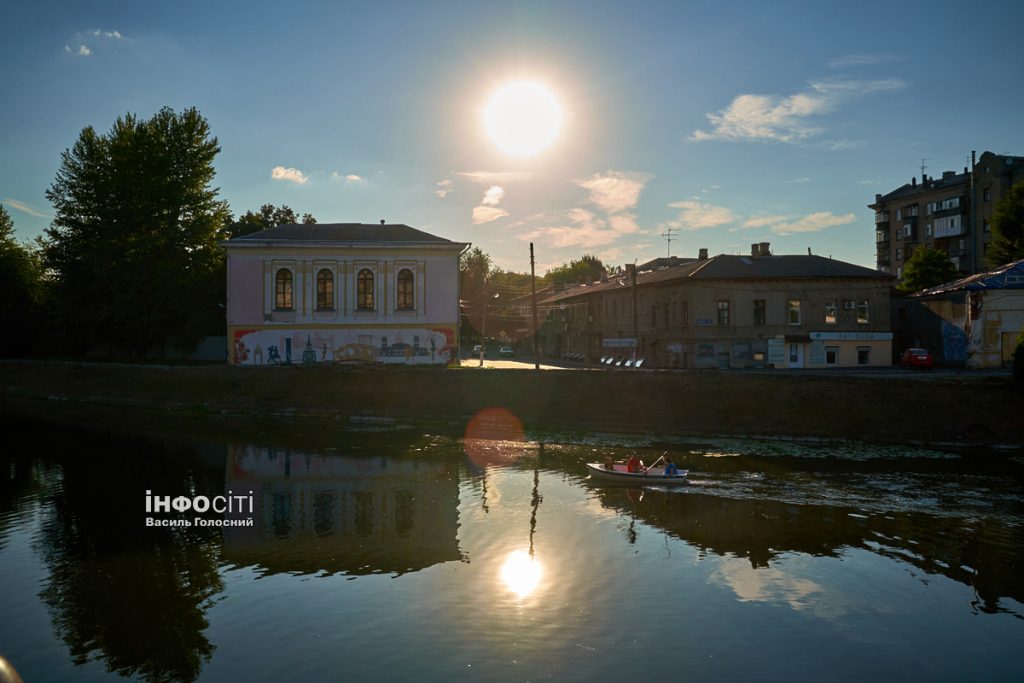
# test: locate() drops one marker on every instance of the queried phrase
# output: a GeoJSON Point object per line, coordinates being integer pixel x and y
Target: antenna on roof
{"type": "Point", "coordinates": [923, 167]}
{"type": "Point", "coordinates": [668, 239]}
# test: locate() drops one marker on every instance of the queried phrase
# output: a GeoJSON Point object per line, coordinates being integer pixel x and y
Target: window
{"type": "Point", "coordinates": [985, 226]}
{"type": "Point", "coordinates": [324, 290]}
{"type": "Point", "coordinates": [831, 355]}
{"type": "Point", "coordinates": [665, 313]}
{"type": "Point", "coordinates": [406, 291]}
{"type": "Point", "coordinates": [899, 214]}
{"type": "Point", "coordinates": [364, 290]}
{"type": "Point", "coordinates": [899, 253]}
{"type": "Point", "coordinates": [986, 195]}
{"type": "Point", "coordinates": [723, 313]}
{"type": "Point", "coordinates": [830, 312]}
{"type": "Point", "coordinates": [283, 290]}
{"type": "Point", "coordinates": [686, 314]}
{"type": "Point", "coordinates": [928, 229]}
{"type": "Point", "coordinates": [863, 355]}
{"type": "Point", "coordinates": [793, 307]}
{"type": "Point", "coordinates": [862, 311]}
{"type": "Point", "coordinates": [759, 312]}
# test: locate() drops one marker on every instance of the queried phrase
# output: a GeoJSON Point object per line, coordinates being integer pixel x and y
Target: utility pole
{"type": "Point", "coordinates": [636, 339]}
{"type": "Point", "coordinates": [483, 326]}
{"type": "Point", "coordinates": [533, 287]}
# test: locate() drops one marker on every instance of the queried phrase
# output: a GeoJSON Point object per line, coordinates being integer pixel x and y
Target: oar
{"type": "Point", "coordinates": [648, 468]}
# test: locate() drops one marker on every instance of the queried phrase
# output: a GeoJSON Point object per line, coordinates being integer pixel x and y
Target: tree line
{"type": "Point", "coordinates": [131, 260]}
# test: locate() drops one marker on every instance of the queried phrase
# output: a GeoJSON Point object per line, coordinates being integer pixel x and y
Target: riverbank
{"type": "Point", "coordinates": [899, 410]}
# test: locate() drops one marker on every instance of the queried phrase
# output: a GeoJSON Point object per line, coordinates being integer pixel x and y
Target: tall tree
{"type": "Point", "coordinates": [21, 287]}
{"type": "Point", "coordinates": [134, 242]}
{"type": "Point", "coordinates": [927, 268]}
{"type": "Point", "coordinates": [1007, 225]}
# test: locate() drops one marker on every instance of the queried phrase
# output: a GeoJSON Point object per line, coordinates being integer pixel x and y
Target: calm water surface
{"type": "Point", "coordinates": [397, 557]}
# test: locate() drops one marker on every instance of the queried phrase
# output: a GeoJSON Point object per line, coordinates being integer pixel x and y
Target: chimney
{"type": "Point", "coordinates": [382, 221]}
{"type": "Point", "coordinates": [703, 254]}
{"type": "Point", "coordinates": [809, 251]}
{"type": "Point", "coordinates": [878, 198]}
{"type": "Point", "coordinates": [946, 175]}
{"type": "Point", "coordinates": [755, 249]}
{"type": "Point", "coordinates": [763, 247]}
{"type": "Point", "coordinates": [913, 181]}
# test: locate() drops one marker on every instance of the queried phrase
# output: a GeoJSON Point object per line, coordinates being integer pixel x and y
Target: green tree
{"type": "Point", "coordinates": [21, 290]}
{"type": "Point", "coordinates": [134, 243]}
{"type": "Point", "coordinates": [269, 216]}
{"type": "Point", "coordinates": [927, 268]}
{"type": "Point", "coordinates": [586, 269]}
{"type": "Point", "coordinates": [1007, 225]}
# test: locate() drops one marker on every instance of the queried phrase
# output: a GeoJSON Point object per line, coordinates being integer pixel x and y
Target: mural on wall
{"type": "Point", "coordinates": [954, 342]}
{"type": "Point", "coordinates": [273, 346]}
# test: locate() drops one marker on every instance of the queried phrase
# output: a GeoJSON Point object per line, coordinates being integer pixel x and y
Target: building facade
{"type": "Point", "coordinates": [973, 322]}
{"type": "Point", "coordinates": [729, 311]}
{"type": "Point", "coordinates": [342, 292]}
{"type": "Point", "coordinates": [950, 213]}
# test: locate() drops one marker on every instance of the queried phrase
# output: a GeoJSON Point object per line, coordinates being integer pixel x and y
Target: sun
{"type": "Point", "coordinates": [523, 118]}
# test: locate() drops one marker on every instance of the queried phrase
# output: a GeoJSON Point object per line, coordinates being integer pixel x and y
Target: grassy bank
{"type": "Point", "coordinates": [885, 410]}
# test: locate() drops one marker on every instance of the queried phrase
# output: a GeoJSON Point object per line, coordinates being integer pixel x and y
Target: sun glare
{"type": "Point", "coordinates": [523, 118]}
{"type": "Point", "coordinates": [520, 573]}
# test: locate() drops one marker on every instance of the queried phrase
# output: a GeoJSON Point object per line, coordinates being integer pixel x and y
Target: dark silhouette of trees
{"type": "Point", "coordinates": [133, 246]}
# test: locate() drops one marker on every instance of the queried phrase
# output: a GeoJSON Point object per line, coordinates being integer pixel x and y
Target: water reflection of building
{"type": "Point", "coordinates": [983, 554]}
{"type": "Point", "coordinates": [342, 514]}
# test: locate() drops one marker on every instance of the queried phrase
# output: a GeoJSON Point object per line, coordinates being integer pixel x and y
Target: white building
{"type": "Point", "coordinates": [340, 292]}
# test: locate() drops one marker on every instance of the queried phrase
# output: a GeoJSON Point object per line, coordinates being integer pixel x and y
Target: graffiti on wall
{"type": "Point", "coordinates": [274, 346]}
{"type": "Point", "coordinates": [954, 342]}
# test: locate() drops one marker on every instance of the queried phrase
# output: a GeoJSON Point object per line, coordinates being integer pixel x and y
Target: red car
{"type": "Point", "coordinates": [916, 358]}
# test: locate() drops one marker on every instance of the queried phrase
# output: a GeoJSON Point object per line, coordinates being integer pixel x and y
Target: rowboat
{"type": "Point", "coordinates": [619, 473]}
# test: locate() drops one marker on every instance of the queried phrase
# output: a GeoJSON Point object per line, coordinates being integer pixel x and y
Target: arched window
{"type": "Point", "coordinates": [283, 290]}
{"type": "Point", "coordinates": [325, 290]}
{"type": "Point", "coordinates": [364, 290]}
{"type": "Point", "coordinates": [406, 291]}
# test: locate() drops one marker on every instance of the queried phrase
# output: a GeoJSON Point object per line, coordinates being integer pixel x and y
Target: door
{"type": "Point", "coordinates": [796, 355]}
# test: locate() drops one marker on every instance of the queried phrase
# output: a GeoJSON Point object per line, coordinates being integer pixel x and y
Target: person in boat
{"type": "Point", "coordinates": [609, 464]}
{"type": "Point", "coordinates": [670, 467]}
{"type": "Point", "coordinates": [634, 464]}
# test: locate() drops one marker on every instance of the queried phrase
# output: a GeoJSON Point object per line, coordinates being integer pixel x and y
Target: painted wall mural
{"type": "Point", "coordinates": [409, 346]}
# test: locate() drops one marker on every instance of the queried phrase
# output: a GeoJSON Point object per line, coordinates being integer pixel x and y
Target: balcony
{"type": "Point", "coordinates": [881, 217]}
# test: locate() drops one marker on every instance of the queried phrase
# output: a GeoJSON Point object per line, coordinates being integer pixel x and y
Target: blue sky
{"type": "Point", "coordinates": [729, 122]}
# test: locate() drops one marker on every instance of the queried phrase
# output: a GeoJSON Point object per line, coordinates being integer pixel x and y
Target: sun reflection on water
{"type": "Point", "coordinates": [521, 573]}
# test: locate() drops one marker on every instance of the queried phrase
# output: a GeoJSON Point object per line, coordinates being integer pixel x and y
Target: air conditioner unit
{"type": "Point", "coordinates": [849, 305]}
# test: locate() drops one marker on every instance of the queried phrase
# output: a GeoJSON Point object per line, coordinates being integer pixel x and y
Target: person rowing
{"type": "Point", "coordinates": [670, 468]}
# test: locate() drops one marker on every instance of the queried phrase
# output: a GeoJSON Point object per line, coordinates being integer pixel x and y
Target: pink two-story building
{"type": "Point", "coordinates": [342, 292]}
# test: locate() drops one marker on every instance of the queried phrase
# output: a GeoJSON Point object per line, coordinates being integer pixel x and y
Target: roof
{"type": "Point", "coordinates": [368, 233]}
{"type": "Point", "coordinates": [1007, 276]}
{"type": "Point", "coordinates": [733, 267]}
{"type": "Point", "coordinates": [911, 190]}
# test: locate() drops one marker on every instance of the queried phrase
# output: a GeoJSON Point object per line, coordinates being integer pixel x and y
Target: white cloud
{"type": "Point", "coordinates": [697, 215]}
{"type": "Point", "coordinates": [764, 221]}
{"type": "Point", "coordinates": [813, 222]}
{"type": "Point", "coordinates": [494, 176]}
{"type": "Point", "coordinates": [493, 196]}
{"type": "Point", "coordinates": [583, 228]}
{"type": "Point", "coordinates": [116, 35]}
{"type": "Point", "coordinates": [444, 188]}
{"type": "Point", "coordinates": [623, 223]}
{"type": "Point", "coordinates": [786, 119]}
{"type": "Point", "coordinates": [485, 214]}
{"type": "Point", "coordinates": [292, 174]}
{"type": "Point", "coordinates": [23, 207]}
{"type": "Point", "coordinates": [796, 181]}
{"type": "Point", "coordinates": [353, 178]}
{"type": "Point", "coordinates": [80, 51]}
{"type": "Point", "coordinates": [488, 211]}
{"type": "Point", "coordinates": [862, 60]}
{"type": "Point", "coordinates": [615, 191]}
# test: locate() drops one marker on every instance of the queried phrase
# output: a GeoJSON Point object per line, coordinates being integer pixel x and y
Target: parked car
{"type": "Point", "coordinates": [507, 351]}
{"type": "Point", "coordinates": [916, 358]}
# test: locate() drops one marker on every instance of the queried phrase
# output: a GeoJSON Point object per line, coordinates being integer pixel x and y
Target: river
{"type": "Point", "coordinates": [400, 556]}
